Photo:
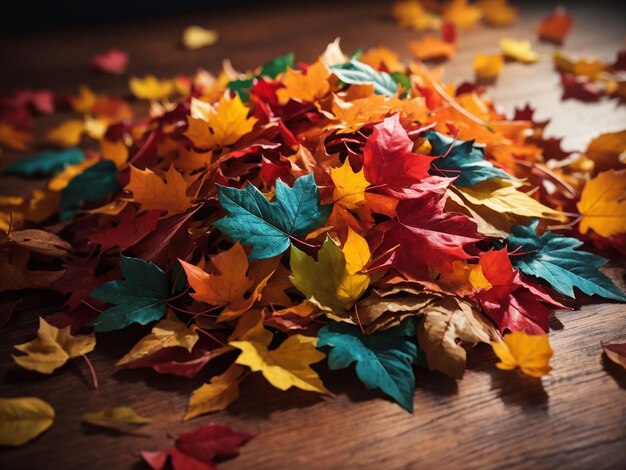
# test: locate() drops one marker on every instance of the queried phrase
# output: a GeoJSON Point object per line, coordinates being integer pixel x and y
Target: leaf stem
{"type": "Point", "coordinates": [358, 318]}
{"type": "Point", "coordinates": [179, 295]}
{"type": "Point", "coordinates": [550, 173]}
{"type": "Point", "coordinates": [309, 245]}
{"type": "Point", "coordinates": [94, 377]}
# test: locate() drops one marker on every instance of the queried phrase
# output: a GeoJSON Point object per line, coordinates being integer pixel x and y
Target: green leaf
{"type": "Point", "coordinates": [94, 183]}
{"type": "Point", "coordinates": [140, 298]}
{"type": "Point", "coordinates": [358, 73]}
{"type": "Point", "coordinates": [554, 258]}
{"type": "Point", "coordinates": [242, 87]}
{"type": "Point", "coordinates": [383, 360]}
{"type": "Point", "coordinates": [402, 80]}
{"type": "Point", "coordinates": [46, 162]}
{"type": "Point", "coordinates": [465, 160]}
{"type": "Point", "coordinates": [277, 66]}
{"type": "Point", "coordinates": [267, 226]}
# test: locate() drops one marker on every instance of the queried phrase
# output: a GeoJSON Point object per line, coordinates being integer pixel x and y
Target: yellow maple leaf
{"type": "Point", "coordinates": [23, 419]}
{"type": "Point", "coordinates": [382, 56]}
{"type": "Point", "coordinates": [286, 366]}
{"type": "Point", "coordinates": [168, 333]}
{"type": "Point", "coordinates": [150, 87]}
{"type": "Point", "coordinates": [488, 66]}
{"type": "Point", "coordinates": [210, 127]}
{"type": "Point", "coordinates": [67, 134]}
{"type": "Point", "coordinates": [305, 87]}
{"type": "Point", "coordinates": [153, 192]}
{"type": "Point", "coordinates": [531, 353]}
{"type": "Point", "coordinates": [14, 138]}
{"type": "Point", "coordinates": [521, 50]}
{"type": "Point", "coordinates": [52, 348]}
{"type": "Point", "coordinates": [349, 186]}
{"type": "Point", "coordinates": [412, 14]}
{"type": "Point", "coordinates": [602, 204]}
{"type": "Point", "coordinates": [220, 392]}
{"type": "Point", "coordinates": [196, 37]}
{"type": "Point", "coordinates": [461, 14]}
{"type": "Point", "coordinates": [327, 282]}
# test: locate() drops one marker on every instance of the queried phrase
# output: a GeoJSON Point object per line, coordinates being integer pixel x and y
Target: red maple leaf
{"type": "Point", "coordinates": [130, 230]}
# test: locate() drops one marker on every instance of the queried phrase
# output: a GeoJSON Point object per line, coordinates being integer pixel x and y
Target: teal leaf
{"type": "Point", "coordinates": [555, 259]}
{"type": "Point", "coordinates": [46, 162]}
{"type": "Point", "coordinates": [358, 73]}
{"type": "Point", "coordinates": [267, 226]}
{"type": "Point", "coordinates": [383, 360]}
{"type": "Point", "coordinates": [242, 87]}
{"type": "Point", "coordinates": [277, 66]}
{"type": "Point", "coordinates": [140, 298]}
{"type": "Point", "coordinates": [94, 183]}
{"type": "Point", "coordinates": [465, 160]}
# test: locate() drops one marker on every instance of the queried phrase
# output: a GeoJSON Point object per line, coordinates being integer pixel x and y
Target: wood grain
{"type": "Point", "coordinates": [573, 418]}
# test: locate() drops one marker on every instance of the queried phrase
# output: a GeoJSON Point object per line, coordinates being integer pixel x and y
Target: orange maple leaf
{"type": "Point", "coordinates": [153, 192]}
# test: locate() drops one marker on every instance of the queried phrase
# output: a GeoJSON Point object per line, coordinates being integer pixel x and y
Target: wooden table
{"type": "Point", "coordinates": [574, 417]}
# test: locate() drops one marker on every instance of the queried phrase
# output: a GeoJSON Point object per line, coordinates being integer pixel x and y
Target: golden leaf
{"type": "Point", "coordinates": [531, 353]}
{"type": "Point", "coordinates": [602, 204]}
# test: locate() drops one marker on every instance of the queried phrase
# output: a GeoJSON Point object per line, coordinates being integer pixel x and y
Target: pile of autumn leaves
{"type": "Point", "coordinates": [298, 213]}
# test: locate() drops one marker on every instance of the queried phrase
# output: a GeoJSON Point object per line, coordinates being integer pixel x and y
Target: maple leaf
{"type": "Point", "coordinates": [52, 348]}
{"type": "Point", "coordinates": [270, 226]}
{"type": "Point", "coordinates": [121, 418]}
{"type": "Point", "coordinates": [602, 204]}
{"type": "Point", "coordinates": [153, 192]}
{"type": "Point", "coordinates": [616, 352]}
{"type": "Point", "coordinates": [46, 162]}
{"type": "Point", "coordinates": [388, 161]}
{"type": "Point", "coordinates": [425, 237]}
{"type": "Point", "coordinates": [220, 392]}
{"type": "Point", "coordinates": [461, 14]}
{"type": "Point", "coordinates": [169, 332]}
{"type": "Point", "coordinates": [131, 229]}
{"type": "Point", "coordinates": [227, 285]}
{"type": "Point", "coordinates": [555, 27]}
{"type": "Point", "coordinates": [140, 298]}
{"type": "Point", "coordinates": [286, 366]}
{"type": "Point", "coordinates": [512, 303]}
{"type": "Point", "coordinates": [462, 159]}
{"type": "Point", "coordinates": [607, 150]}
{"type": "Point", "coordinates": [198, 449]}
{"type": "Point", "coordinates": [197, 37]}
{"type": "Point", "coordinates": [349, 186]}
{"type": "Point", "coordinates": [112, 61]}
{"type": "Point", "coordinates": [384, 359]}
{"type": "Point", "coordinates": [487, 66]}
{"type": "Point", "coordinates": [518, 50]}
{"type": "Point", "coordinates": [210, 127]}
{"type": "Point", "coordinates": [23, 419]}
{"type": "Point", "coordinates": [555, 259]}
{"type": "Point", "coordinates": [305, 87]}
{"type": "Point", "coordinates": [450, 324]}
{"type": "Point", "coordinates": [331, 282]}
{"type": "Point", "coordinates": [150, 88]}
{"type": "Point", "coordinates": [531, 353]}
{"type": "Point", "coordinates": [358, 73]}
{"type": "Point", "coordinates": [580, 88]}
{"type": "Point", "coordinates": [412, 14]}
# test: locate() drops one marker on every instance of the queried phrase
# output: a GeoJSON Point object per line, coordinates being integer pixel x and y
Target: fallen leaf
{"type": "Point", "coordinates": [602, 204]}
{"type": "Point", "coordinates": [46, 162]}
{"type": "Point", "coordinates": [519, 50]}
{"type": "Point", "coordinates": [555, 27]}
{"type": "Point", "coordinates": [488, 66]}
{"type": "Point", "coordinates": [196, 37]}
{"type": "Point", "coordinates": [167, 193]}
{"type": "Point", "coordinates": [23, 419]}
{"type": "Point", "coordinates": [220, 392]}
{"type": "Point", "coordinates": [413, 14]}
{"type": "Point", "coordinates": [616, 352]}
{"type": "Point", "coordinates": [608, 151]}
{"type": "Point", "coordinates": [121, 418]}
{"type": "Point", "coordinates": [112, 61]}
{"type": "Point", "coordinates": [14, 138]}
{"type": "Point", "coordinates": [305, 87]}
{"type": "Point", "coordinates": [531, 353]}
{"type": "Point", "coordinates": [349, 186]}
{"type": "Point", "coordinates": [67, 134]}
{"type": "Point", "coordinates": [150, 88]}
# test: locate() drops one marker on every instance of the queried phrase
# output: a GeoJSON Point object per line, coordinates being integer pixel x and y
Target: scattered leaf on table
{"type": "Point", "coordinates": [121, 418]}
{"type": "Point", "coordinates": [608, 151]}
{"type": "Point", "coordinates": [23, 419]}
{"type": "Point", "coordinates": [67, 134]}
{"type": "Point", "coordinates": [140, 298]}
{"type": "Point", "coordinates": [52, 348]}
{"type": "Point", "coordinates": [196, 37]}
{"type": "Point", "coordinates": [46, 162]}
{"type": "Point", "coordinates": [432, 48]}
{"type": "Point", "coordinates": [113, 61]}
{"type": "Point", "coordinates": [555, 27]}
{"type": "Point", "coordinates": [498, 12]}
{"type": "Point", "coordinates": [150, 88]}
{"type": "Point", "coordinates": [14, 138]}
{"type": "Point", "coordinates": [602, 204]}
{"type": "Point", "coordinates": [519, 50]}
{"type": "Point", "coordinates": [413, 14]}
{"type": "Point", "coordinates": [488, 66]}
{"type": "Point", "coordinates": [616, 352]}
{"type": "Point", "coordinates": [216, 395]}
{"type": "Point", "coordinates": [461, 14]}
{"type": "Point", "coordinates": [531, 353]}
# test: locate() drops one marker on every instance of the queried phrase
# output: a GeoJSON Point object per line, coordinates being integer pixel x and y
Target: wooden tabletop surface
{"type": "Point", "coordinates": [575, 417]}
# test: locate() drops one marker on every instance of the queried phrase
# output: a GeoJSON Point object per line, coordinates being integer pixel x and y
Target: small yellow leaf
{"type": "Point", "coordinates": [115, 418]}
{"type": "Point", "coordinates": [521, 50]}
{"type": "Point", "coordinates": [412, 14]}
{"type": "Point", "coordinates": [286, 366]}
{"type": "Point", "coordinates": [23, 419]}
{"type": "Point", "coordinates": [220, 392]}
{"type": "Point", "coordinates": [488, 66]}
{"type": "Point", "coordinates": [52, 348]}
{"type": "Point", "coordinates": [60, 181]}
{"type": "Point", "coordinates": [305, 87]}
{"type": "Point", "coordinates": [67, 134]}
{"type": "Point", "coordinates": [356, 251]}
{"type": "Point", "coordinates": [530, 353]}
{"type": "Point", "coordinates": [153, 192]}
{"type": "Point", "coordinates": [196, 37]}
{"type": "Point", "coordinates": [603, 204]}
{"type": "Point", "coordinates": [168, 333]}
{"type": "Point", "coordinates": [150, 87]}
{"type": "Point", "coordinates": [349, 186]}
